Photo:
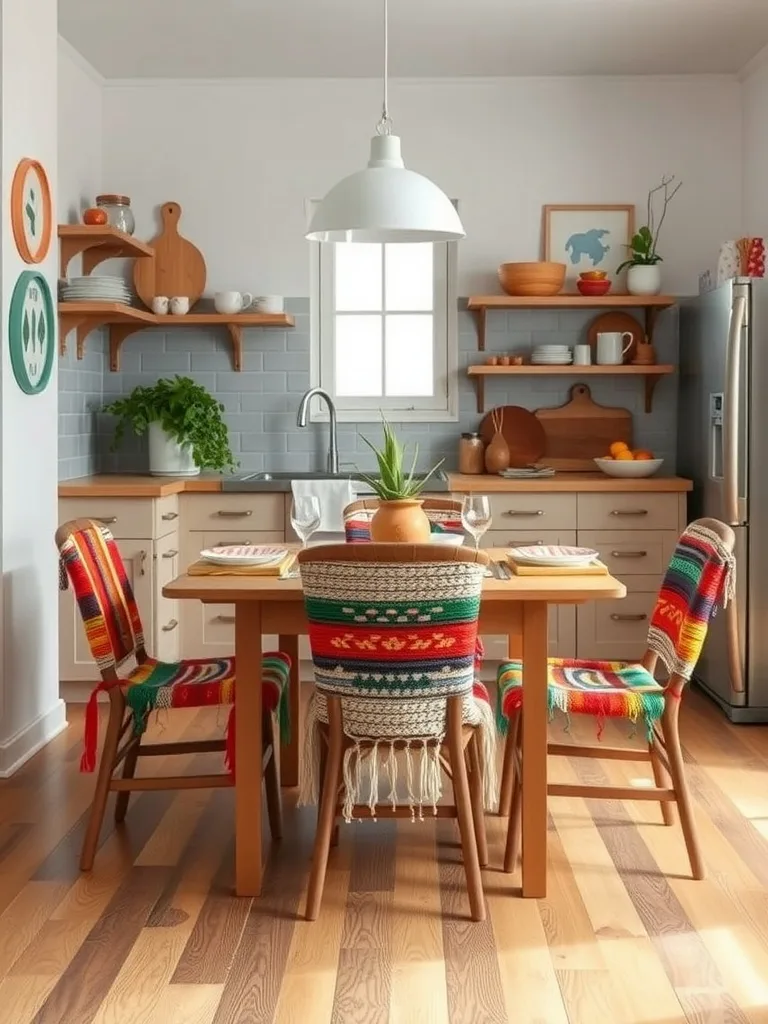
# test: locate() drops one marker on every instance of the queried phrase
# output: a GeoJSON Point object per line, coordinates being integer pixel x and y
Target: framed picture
{"type": "Point", "coordinates": [31, 211]}
{"type": "Point", "coordinates": [587, 238]}
{"type": "Point", "coordinates": [32, 332]}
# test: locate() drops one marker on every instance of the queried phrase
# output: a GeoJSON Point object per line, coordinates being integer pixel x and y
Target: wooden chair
{"type": "Point", "coordinates": [91, 563]}
{"type": "Point", "coordinates": [392, 629]}
{"type": "Point", "coordinates": [699, 575]}
{"type": "Point", "coordinates": [443, 513]}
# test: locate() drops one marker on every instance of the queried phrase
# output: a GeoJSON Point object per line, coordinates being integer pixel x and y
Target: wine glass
{"type": "Point", "coordinates": [305, 516]}
{"type": "Point", "coordinates": [476, 515]}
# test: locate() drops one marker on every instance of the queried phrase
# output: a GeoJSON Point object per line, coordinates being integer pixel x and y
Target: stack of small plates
{"type": "Point", "coordinates": [551, 355]}
{"type": "Point", "coordinates": [244, 554]}
{"type": "Point", "coordinates": [526, 473]}
{"type": "Point", "coordinates": [553, 555]}
{"type": "Point", "coordinates": [96, 289]}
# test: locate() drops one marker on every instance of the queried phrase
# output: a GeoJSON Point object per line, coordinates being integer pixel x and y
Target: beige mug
{"type": "Point", "coordinates": [611, 348]}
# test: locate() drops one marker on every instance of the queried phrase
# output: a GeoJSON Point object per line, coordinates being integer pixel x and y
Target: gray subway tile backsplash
{"type": "Point", "coordinates": [261, 402]}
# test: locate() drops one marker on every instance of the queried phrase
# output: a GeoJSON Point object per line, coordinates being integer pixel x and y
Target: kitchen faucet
{"type": "Point", "coordinates": [333, 444]}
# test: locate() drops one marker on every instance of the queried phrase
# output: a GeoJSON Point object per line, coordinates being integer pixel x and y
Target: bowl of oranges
{"type": "Point", "coordinates": [622, 461]}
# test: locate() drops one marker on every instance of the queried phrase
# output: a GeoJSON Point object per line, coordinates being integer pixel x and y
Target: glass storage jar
{"type": "Point", "coordinates": [119, 212]}
{"type": "Point", "coordinates": [471, 454]}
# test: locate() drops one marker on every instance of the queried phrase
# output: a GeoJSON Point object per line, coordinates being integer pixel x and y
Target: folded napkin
{"type": "Point", "coordinates": [333, 495]}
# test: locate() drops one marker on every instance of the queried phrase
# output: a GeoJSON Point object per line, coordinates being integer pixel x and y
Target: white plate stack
{"type": "Point", "coordinates": [551, 355]}
{"type": "Point", "coordinates": [96, 289]}
{"type": "Point", "coordinates": [553, 555]}
{"type": "Point", "coordinates": [244, 554]}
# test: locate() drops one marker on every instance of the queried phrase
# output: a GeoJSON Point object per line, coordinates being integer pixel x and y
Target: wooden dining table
{"type": "Point", "coordinates": [515, 607]}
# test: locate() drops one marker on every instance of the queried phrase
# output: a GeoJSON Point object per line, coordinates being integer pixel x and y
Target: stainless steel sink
{"type": "Point", "coordinates": [280, 480]}
{"type": "Point", "coordinates": [260, 478]}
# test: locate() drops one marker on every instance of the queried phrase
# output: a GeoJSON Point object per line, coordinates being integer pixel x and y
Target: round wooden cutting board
{"type": "Point", "coordinates": [522, 431]}
{"type": "Point", "coordinates": [616, 321]}
{"type": "Point", "coordinates": [177, 268]}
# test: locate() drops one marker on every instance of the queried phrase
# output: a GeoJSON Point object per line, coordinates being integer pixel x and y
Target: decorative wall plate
{"type": "Point", "coordinates": [32, 332]}
{"type": "Point", "coordinates": [31, 212]}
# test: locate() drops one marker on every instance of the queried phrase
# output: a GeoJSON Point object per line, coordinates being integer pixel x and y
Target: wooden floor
{"type": "Point", "coordinates": [153, 936]}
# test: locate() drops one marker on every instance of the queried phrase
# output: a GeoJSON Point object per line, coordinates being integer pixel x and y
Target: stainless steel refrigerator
{"type": "Point", "coordinates": [723, 447]}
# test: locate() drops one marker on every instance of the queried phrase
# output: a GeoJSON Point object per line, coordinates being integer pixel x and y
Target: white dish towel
{"type": "Point", "coordinates": [333, 495]}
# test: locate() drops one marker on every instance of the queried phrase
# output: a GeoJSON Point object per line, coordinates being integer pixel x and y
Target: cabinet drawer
{"type": "Point", "coordinates": [562, 637]}
{"type": "Point", "coordinates": [125, 517]}
{"type": "Point", "coordinates": [515, 538]}
{"type": "Point", "coordinates": [641, 552]}
{"type": "Point", "coordinates": [242, 512]}
{"type": "Point", "coordinates": [515, 512]}
{"type": "Point", "coordinates": [212, 631]}
{"type": "Point", "coordinates": [615, 630]}
{"type": "Point", "coordinates": [221, 538]}
{"type": "Point", "coordinates": [626, 510]}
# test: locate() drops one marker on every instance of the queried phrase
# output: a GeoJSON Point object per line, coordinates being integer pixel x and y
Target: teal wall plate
{"type": "Point", "coordinates": [32, 332]}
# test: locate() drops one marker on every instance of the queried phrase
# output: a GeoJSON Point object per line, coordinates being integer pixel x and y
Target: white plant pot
{"type": "Point", "coordinates": [167, 457]}
{"type": "Point", "coordinates": [644, 280]}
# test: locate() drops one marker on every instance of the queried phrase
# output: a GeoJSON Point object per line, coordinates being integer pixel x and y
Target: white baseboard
{"type": "Point", "coordinates": [33, 737]}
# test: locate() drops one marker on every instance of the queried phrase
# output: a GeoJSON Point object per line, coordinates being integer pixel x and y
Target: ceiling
{"type": "Point", "coordinates": [428, 38]}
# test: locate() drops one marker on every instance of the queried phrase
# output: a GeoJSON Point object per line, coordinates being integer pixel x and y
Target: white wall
{"type": "Point", "coordinates": [80, 111]}
{"type": "Point", "coordinates": [755, 150]}
{"type": "Point", "coordinates": [31, 709]}
{"type": "Point", "coordinates": [241, 157]}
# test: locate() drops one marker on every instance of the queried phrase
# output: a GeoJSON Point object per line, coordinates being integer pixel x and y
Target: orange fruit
{"type": "Point", "coordinates": [625, 455]}
{"type": "Point", "coordinates": [618, 446]}
{"type": "Point", "coordinates": [643, 455]}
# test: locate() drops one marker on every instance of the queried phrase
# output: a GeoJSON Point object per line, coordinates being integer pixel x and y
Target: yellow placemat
{"type": "Point", "coordinates": [203, 568]}
{"type": "Point", "coordinates": [597, 568]}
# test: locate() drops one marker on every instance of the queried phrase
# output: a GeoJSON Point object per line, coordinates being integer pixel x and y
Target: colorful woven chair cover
{"type": "Point", "coordinates": [393, 640]}
{"type": "Point", "coordinates": [357, 519]}
{"type": "Point", "coordinates": [700, 574]}
{"type": "Point", "coordinates": [92, 562]}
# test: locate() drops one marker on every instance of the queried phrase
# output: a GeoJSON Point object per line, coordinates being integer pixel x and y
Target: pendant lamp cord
{"type": "Point", "coordinates": [384, 127]}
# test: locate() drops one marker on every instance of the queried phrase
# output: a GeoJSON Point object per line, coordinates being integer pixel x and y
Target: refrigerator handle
{"type": "Point", "coordinates": [731, 411]}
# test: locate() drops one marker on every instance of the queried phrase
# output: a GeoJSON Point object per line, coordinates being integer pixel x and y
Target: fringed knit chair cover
{"type": "Point", "coordinates": [394, 639]}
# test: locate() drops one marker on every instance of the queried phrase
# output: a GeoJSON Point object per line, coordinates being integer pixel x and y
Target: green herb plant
{"type": "Point", "coordinates": [186, 411]}
{"type": "Point", "coordinates": [394, 483]}
{"type": "Point", "coordinates": [645, 241]}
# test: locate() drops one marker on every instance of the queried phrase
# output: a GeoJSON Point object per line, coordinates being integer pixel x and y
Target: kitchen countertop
{"type": "Point", "coordinates": [118, 485]}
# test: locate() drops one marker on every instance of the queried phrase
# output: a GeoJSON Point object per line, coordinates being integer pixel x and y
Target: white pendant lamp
{"type": "Point", "coordinates": [386, 202]}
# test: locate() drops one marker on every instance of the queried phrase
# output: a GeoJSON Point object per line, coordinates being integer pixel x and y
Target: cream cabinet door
{"type": "Point", "coordinates": [615, 630]}
{"type": "Point", "coordinates": [167, 627]}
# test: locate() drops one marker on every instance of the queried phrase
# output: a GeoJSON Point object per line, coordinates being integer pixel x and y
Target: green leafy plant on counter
{"type": "Point", "coordinates": [643, 247]}
{"type": "Point", "coordinates": [186, 411]}
{"type": "Point", "coordinates": [394, 483]}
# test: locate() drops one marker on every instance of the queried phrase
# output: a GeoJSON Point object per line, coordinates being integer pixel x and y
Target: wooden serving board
{"type": "Point", "coordinates": [595, 569]}
{"type": "Point", "coordinates": [177, 268]}
{"type": "Point", "coordinates": [581, 430]}
{"type": "Point", "coordinates": [522, 432]}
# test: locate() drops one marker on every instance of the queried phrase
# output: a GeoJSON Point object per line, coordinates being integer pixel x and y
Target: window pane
{"type": "Point", "coordinates": [358, 356]}
{"type": "Point", "coordinates": [409, 275]}
{"type": "Point", "coordinates": [410, 356]}
{"type": "Point", "coordinates": [358, 276]}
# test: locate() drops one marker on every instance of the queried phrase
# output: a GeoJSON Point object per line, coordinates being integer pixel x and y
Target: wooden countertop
{"type": "Point", "coordinates": [116, 485]}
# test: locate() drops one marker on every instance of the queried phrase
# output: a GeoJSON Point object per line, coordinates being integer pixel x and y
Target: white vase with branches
{"type": "Point", "coordinates": [644, 272]}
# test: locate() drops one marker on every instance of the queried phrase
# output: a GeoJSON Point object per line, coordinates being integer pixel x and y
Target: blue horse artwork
{"type": "Point", "coordinates": [588, 244]}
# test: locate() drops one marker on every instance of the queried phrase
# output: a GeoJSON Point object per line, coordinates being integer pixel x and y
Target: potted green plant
{"type": "Point", "coordinates": [399, 516]}
{"type": "Point", "coordinates": [644, 273]}
{"type": "Point", "coordinates": [185, 425]}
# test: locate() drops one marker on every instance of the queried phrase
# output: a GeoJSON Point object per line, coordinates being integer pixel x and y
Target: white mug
{"type": "Point", "coordinates": [269, 303]}
{"type": "Point", "coordinates": [232, 302]}
{"type": "Point", "coordinates": [160, 304]}
{"type": "Point", "coordinates": [180, 305]}
{"type": "Point", "coordinates": [582, 355]}
{"type": "Point", "coordinates": [611, 348]}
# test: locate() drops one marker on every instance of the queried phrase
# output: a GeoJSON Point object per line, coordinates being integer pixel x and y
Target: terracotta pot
{"type": "Point", "coordinates": [403, 522]}
{"type": "Point", "coordinates": [497, 454]}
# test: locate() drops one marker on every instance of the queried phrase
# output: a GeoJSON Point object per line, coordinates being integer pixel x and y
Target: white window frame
{"type": "Point", "coordinates": [443, 406]}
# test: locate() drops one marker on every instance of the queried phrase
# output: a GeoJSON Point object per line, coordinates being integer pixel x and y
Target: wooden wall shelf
{"type": "Point", "coordinates": [651, 373]}
{"type": "Point", "coordinates": [87, 316]}
{"type": "Point", "coordinates": [97, 242]}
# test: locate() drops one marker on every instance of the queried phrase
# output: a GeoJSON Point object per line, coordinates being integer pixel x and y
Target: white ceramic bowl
{"type": "Point", "coordinates": [629, 470]}
{"type": "Point", "coordinates": [448, 540]}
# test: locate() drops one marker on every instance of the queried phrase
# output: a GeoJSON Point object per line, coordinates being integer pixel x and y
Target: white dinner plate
{"type": "Point", "coordinates": [243, 554]}
{"type": "Point", "coordinates": [553, 555]}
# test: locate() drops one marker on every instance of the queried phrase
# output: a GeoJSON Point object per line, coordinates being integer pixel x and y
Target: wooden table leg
{"type": "Point", "coordinates": [248, 749]}
{"type": "Point", "coordinates": [535, 749]}
{"type": "Point", "coordinates": [290, 753]}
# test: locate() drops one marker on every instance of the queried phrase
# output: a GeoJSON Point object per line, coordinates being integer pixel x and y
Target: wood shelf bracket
{"type": "Point", "coordinates": [480, 392]}
{"type": "Point", "coordinates": [480, 315]}
{"type": "Point", "coordinates": [117, 335]}
{"type": "Point", "coordinates": [651, 380]}
{"type": "Point", "coordinates": [236, 336]}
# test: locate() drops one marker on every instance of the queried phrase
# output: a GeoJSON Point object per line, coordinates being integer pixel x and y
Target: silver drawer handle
{"type": "Point", "coordinates": [628, 618]}
{"type": "Point", "coordinates": [168, 516]}
{"type": "Point", "coordinates": [171, 553]}
{"type": "Point", "coordinates": [169, 627]}
{"type": "Point", "coordinates": [231, 543]}
{"type": "Point", "coordinates": [523, 512]}
{"type": "Point", "coordinates": [106, 520]}
{"type": "Point", "coordinates": [229, 619]}
{"type": "Point", "coordinates": [522, 543]}
{"type": "Point", "coordinates": [630, 512]}
{"type": "Point", "coordinates": [629, 554]}
{"type": "Point", "coordinates": [230, 514]}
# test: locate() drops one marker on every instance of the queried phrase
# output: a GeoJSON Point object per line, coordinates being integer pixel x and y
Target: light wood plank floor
{"type": "Point", "coordinates": [153, 935]}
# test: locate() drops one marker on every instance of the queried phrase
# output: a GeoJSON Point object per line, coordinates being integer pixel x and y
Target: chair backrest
{"type": "Point", "coordinates": [700, 575]}
{"type": "Point", "coordinates": [444, 515]}
{"type": "Point", "coordinates": [103, 592]}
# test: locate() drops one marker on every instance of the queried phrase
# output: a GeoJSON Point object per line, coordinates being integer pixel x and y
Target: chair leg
{"type": "Point", "coordinates": [323, 763]}
{"type": "Point", "coordinates": [272, 779]}
{"type": "Point", "coordinates": [661, 779]}
{"type": "Point", "coordinates": [671, 734]}
{"type": "Point", "coordinates": [327, 814]}
{"type": "Point", "coordinates": [508, 771]}
{"type": "Point", "coordinates": [106, 767]}
{"type": "Point", "coordinates": [514, 829]}
{"type": "Point", "coordinates": [464, 811]}
{"type": "Point", "coordinates": [129, 770]}
{"type": "Point", "coordinates": [476, 798]}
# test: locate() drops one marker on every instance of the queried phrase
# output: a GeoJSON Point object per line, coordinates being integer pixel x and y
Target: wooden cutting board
{"type": "Point", "coordinates": [523, 433]}
{"type": "Point", "coordinates": [177, 268]}
{"type": "Point", "coordinates": [581, 430]}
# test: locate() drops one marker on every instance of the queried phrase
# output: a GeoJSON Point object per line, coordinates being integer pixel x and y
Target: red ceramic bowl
{"type": "Point", "coordinates": [593, 288]}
